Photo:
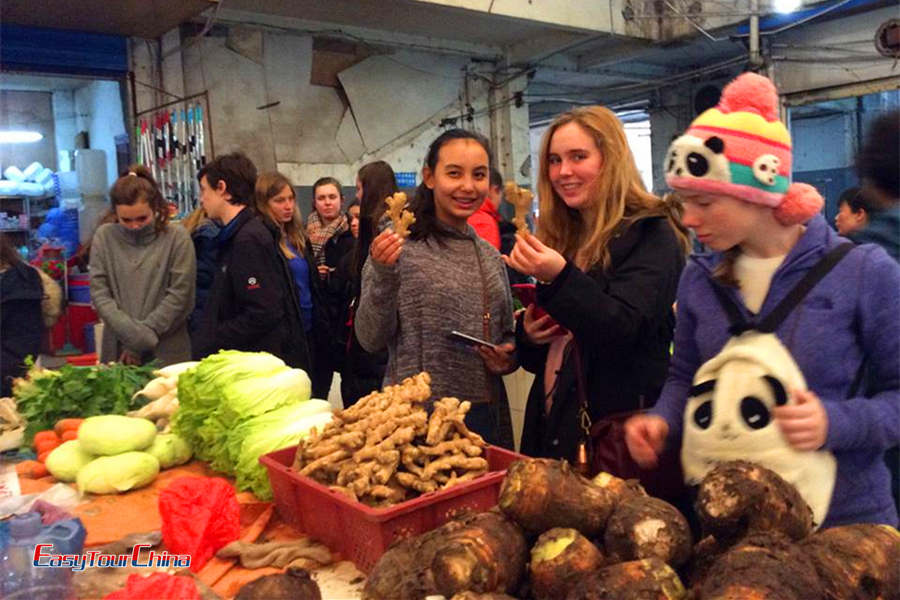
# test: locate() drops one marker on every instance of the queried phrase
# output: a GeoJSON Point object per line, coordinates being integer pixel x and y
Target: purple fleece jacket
{"type": "Point", "coordinates": [853, 312]}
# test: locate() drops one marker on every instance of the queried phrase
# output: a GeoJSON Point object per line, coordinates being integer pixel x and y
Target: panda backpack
{"type": "Point", "coordinates": [728, 415]}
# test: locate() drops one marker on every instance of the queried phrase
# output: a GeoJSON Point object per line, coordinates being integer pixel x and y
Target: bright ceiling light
{"type": "Point", "coordinates": [20, 137]}
{"type": "Point", "coordinates": [787, 6]}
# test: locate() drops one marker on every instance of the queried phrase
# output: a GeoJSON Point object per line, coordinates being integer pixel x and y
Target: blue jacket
{"type": "Point", "coordinates": [206, 248]}
{"type": "Point", "coordinates": [852, 313]}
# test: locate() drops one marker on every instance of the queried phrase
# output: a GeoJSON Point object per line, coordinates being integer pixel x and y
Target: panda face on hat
{"type": "Point", "coordinates": [694, 158]}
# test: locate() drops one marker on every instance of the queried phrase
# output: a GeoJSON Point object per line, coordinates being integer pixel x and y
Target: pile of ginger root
{"type": "Point", "coordinates": [386, 448]}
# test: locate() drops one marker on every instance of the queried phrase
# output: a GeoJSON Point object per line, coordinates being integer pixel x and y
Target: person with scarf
{"type": "Point", "coordinates": [329, 235]}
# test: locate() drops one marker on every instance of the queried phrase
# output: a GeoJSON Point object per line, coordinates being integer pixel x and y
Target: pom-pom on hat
{"type": "Point", "coordinates": [740, 148]}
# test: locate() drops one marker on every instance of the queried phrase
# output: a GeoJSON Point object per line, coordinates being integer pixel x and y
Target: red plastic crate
{"type": "Point", "coordinates": [362, 533]}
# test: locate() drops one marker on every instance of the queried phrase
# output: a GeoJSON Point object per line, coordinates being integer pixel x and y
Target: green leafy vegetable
{"type": "Point", "coordinates": [67, 459]}
{"type": "Point", "coordinates": [108, 435]}
{"type": "Point", "coordinates": [119, 473]}
{"type": "Point", "coordinates": [226, 389]}
{"type": "Point", "coordinates": [266, 433]}
{"type": "Point", "coordinates": [170, 450]}
{"type": "Point", "coordinates": [44, 397]}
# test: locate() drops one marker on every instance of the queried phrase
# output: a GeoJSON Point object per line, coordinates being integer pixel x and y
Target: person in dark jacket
{"type": "Point", "coordinates": [204, 233]}
{"type": "Point", "coordinates": [328, 231]}
{"type": "Point", "coordinates": [29, 302]}
{"type": "Point", "coordinates": [607, 257]}
{"type": "Point", "coordinates": [246, 307]}
{"type": "Point", "coordinates": [363, 372]}
{"type": "Point", "coordinates": [877, 166]}
{"type": "Point", "coordinates": [276, 204]}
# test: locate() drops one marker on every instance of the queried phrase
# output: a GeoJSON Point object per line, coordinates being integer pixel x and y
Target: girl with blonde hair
{"type": "Point", "coordinates": [275, 202]}
{"type": "Point", "coordinates": [607, 256]}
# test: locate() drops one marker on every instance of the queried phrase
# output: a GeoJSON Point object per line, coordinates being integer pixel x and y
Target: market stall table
{"type": "Point", "coordinates": [110, 518]}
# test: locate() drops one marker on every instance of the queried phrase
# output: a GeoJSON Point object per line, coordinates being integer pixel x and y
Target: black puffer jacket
{"type": "Point", "coordinates": [252, 304]}
{"type": "Point", "coordinates": [623, 320]}
{"type": "Point", "coordinates": [21, 324]}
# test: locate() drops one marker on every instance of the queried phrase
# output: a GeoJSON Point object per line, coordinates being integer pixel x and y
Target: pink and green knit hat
{"type": "Point", "coordinates": [740, 148]}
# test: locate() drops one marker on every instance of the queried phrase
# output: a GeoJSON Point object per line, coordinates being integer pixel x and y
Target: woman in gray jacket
{"type": "Point", "coordinates": [143, 276]}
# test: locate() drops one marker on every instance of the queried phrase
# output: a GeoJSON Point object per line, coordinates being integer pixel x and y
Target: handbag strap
{"type": "Point", "coordinates": [584, 414]}
{"type": "Point", "coordinates": [485, 321]}
{"type": "Point", "coordinates": [485, 301]}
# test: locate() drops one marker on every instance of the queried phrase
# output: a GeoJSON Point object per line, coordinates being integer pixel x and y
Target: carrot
{"type": "Point", "coordinates": [45, 445]}
{"type": "Point", "coordinates": [69, 434]}
{"type": "Point", "coordinates": [31, 469]}
{"type": "Point", "coordinates": [216, 568]}
{"type": "Point", "coordinates": [42, 457]}
{"type": "Point", "coordinates": [44, 436]}
{"type": "Point", "coordinates": [64, 425]}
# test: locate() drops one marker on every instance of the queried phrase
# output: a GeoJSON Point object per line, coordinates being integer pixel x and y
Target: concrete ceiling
{"type": "Point", "coordinates": [40, 83]}
{"type": "Point", "coordinates": [138, 18]}
{"type": "Point", "coordinates": [403, 16]}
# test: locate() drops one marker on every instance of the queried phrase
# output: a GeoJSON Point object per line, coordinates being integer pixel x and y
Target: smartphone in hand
{"type": "Point", "coordinates": [471, 340]}
{"type": "Point", "coordinates": [527, 295]}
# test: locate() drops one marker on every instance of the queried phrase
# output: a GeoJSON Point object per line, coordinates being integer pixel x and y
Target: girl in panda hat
{"type": "Point", "coordinates": [740, 303]}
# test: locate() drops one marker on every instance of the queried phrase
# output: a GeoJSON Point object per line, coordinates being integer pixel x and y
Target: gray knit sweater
{"type": "Point", "coordinates": [142, 285]}
{"type": "Point", "coordinates": [411, 307]}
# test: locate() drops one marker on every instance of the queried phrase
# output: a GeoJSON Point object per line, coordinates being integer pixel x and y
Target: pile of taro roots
{"type": "Point", "coordinates": [557, 535]}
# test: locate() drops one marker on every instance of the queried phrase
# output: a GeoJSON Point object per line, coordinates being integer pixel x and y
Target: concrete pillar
{"type": "Point", "coordinates": [509, 129]}
{"type": "Point", "coordinates": [172, 64]}
{"type": "Point", "coordinates": [669, 117]}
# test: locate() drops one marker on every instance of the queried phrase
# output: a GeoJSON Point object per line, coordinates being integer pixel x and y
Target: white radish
{"type": "Point", "coordinates": [176, 369]}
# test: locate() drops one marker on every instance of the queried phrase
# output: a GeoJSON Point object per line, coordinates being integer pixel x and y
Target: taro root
{"type": "Point", "coordinates": [402, 572]}
{"type": "Point", "coordinates": [762, 566]}
{"type": "Point", "coordinates": [483, 552]}
{"type": "Point", "coordinates": [477, 596]}
{"type": "Point", "coordinates": [642, 527]}
{"type": "Point", "coordinates": [648, 579]}
{"type": "Point", "coordinates": [293, 584]}
{"type": "Point", "coordinates": [559, 560]}
{"type": "Point", "coordinates": [857, 562]}
{"type": "Point", "coordinates": [620, 488]}
{"type": "Point", "coordinates": [488, 554]}
{"type": "Point", "coordinates": [540, 494]}
{"type": "Point", "coordinates": [738, 497]}
{"type": "Point", "coordinates": [704, 555]}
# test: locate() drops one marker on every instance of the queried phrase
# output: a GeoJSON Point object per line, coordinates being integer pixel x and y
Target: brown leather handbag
{"type": "Point", "coordinates": [602, 447]}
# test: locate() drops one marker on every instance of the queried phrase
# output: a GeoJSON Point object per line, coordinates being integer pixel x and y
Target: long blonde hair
{"type": "Point", "coordinates": [619, 194]}
{"type": "Point", "coordinates": [194, 220]}
{"type": "Point", "coordinates": [269, 185]}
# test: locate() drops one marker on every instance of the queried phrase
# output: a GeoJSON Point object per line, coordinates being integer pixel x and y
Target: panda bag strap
{"type": "Point", "coordinates": [771, 322]}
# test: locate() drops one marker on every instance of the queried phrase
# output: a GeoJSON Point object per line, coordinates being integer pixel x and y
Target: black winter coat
{"type": "Point", "coordinates": [361, 371]}
{"type": "Point", "coordinates": [21, 323]}
{"type": "Point", "coordinates": [622, 319]}
{"type": "Point", "coordinates": [252, 304]}
{"type": "Point", "coordinates": [333, 288]}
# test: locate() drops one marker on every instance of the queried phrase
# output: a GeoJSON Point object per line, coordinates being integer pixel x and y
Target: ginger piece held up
{"type": "Point", "coordinates": [401, 219]}
{"type": "Point", "coordinates": [521, 199]}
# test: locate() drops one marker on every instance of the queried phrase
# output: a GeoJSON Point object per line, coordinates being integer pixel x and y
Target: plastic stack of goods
{"type": "Point", "coordinates": [61, 223]}
{"type": "Point", "coordinates": [60, 226]}
{"type": "Point", "coordinates": [35, 181]}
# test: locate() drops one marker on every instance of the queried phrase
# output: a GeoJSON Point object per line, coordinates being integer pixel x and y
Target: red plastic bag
{"type": "Point", "coordinates": [158, 586]}
{"type": "Point", "coordinates": [199, 515]}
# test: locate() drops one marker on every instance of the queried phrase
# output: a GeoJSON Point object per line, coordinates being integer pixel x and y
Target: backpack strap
{"type": "Point", "coordinates": [771, 322]}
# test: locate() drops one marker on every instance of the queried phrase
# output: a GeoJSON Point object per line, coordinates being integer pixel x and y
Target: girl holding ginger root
{"type": "Point", "coordinates": [443, 278]}
{"type": "Point", "coordinates": [607, 256]}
